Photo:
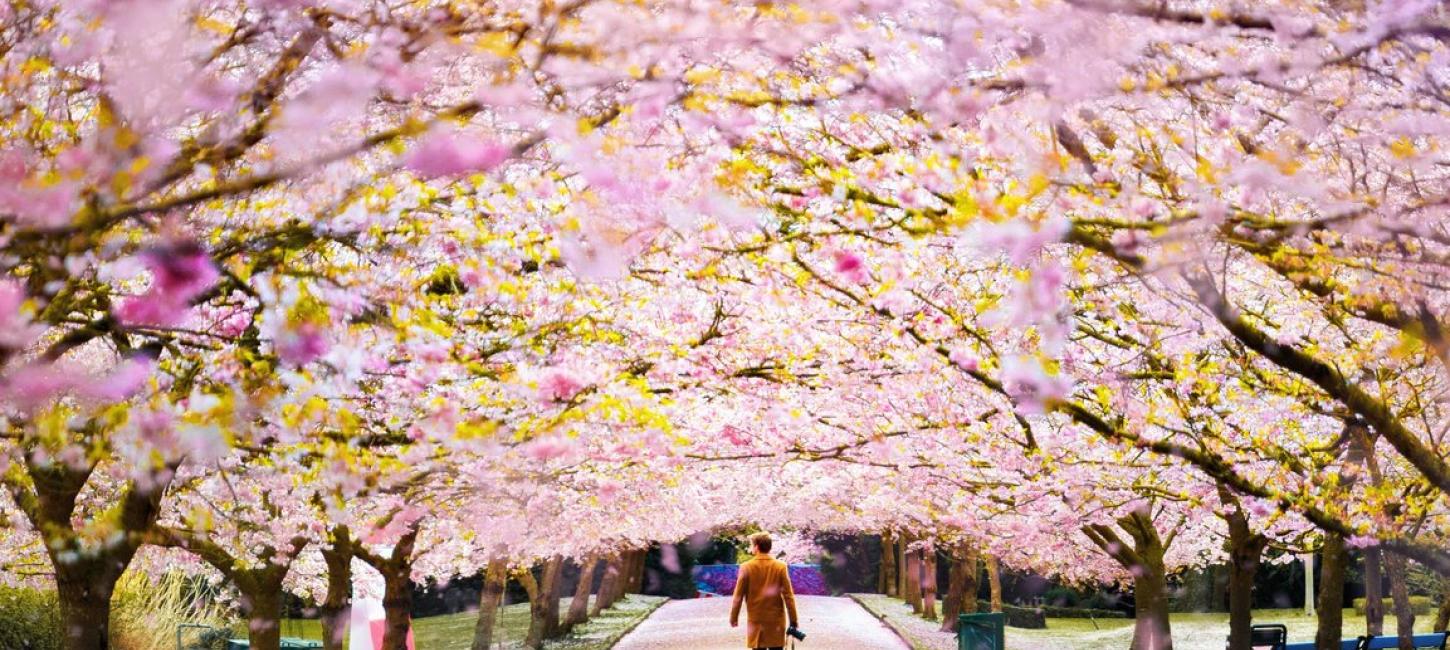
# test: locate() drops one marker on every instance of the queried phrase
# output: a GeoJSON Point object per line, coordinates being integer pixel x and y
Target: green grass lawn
{"type": "Point", "coordinates": [455, 631]}
{"type": "Point", "coordinates": [1190, 631]}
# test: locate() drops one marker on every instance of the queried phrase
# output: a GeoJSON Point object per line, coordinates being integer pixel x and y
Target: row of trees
{"type": "Point", "coordinates": [1116, 289]}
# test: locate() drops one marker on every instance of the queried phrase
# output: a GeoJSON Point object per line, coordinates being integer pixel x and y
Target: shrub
{"type": "Point", "coordinates": [29, 619]}
{"type": "Point", "coordinates": [1080, 612]}
{"type": "Point", "coordinates": [1422, 605]}
{"type": "Point", "coordinates": [1024, 617]}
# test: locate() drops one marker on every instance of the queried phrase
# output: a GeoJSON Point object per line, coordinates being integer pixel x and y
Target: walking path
{"type": "Point", "coordinates": [704, 624]}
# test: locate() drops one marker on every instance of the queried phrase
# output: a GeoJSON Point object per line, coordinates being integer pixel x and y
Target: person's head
{"type": "Point", "coordinates": [760, 543]}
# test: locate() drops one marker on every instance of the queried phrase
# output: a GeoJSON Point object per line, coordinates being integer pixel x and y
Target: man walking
{"type": "Point", "coordinates": [764, 586]}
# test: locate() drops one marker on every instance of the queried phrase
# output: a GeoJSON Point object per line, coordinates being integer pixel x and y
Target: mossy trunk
{"type": "Point", "coordinates": [334, 609]}
{"type": "Point", "coordinates": [544, 606]}
{"type": "Point", "coordinates": [1142, 559]}
{"type": "Point", "coordinates": [1442, 615]}
{"type": "Point", "coordinates": [1245, 555]}
{"type": "Point", "coordinates": [1331, 594]}
{"type": "Point", "coordinates": [900, 554]}
{"type": "Point", "coordinates": [85, 608]}
{"type": "Point", "coordinates": [994, 582]}
{"type": "Point", "coordinates": [1374, 593]}
{"type": "Point", "coordinates": [928, 583]}
{"type": "Point", "coordinates": [579, 605]}
{"type": "Point", "coordinates": [1400, 595]}
{"type": "Point", "coordinates": [262, 607]}
{"type": "Point", "coordinates": [1150, 603]}
{"type": "Point", "coordinates": [913, 580]}
{"type": "Point", "coordinates": [608, 587]}
{"type": "Point", "coordinates": [886, 577]}
{"type": "Point", "coordinates": [961, 587]}
{"type": "Point", "coordinates": [495, 580]}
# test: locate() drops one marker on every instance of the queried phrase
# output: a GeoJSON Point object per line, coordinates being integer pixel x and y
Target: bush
{"type": "Point", "coordinates": [29, 619]}
{"type": "Point", "coordinates": [1080, 612]}
{"type": "Point", "coordinates": [1422, 605]}
{"type": "Point", "coordinates": [1030, 618]}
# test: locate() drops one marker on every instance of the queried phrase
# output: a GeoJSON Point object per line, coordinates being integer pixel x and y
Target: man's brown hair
{"type": "Point", "coordinates": [761, 541]}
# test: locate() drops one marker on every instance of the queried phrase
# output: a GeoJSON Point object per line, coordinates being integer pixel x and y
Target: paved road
{"type": "Point", "coordinates": [704, 624]}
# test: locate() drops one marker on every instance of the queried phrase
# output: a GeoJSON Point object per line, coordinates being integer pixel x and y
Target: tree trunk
{"type": "Point", "coordinates": [1150, 603]}
{"type": "Point", "coordinates": [544, 607]}
{"type": "Point", "coordinates": [335, 604]}
{"type": "Point", "coordinates": [1442, 615]}
{"type": "Point", "coordinates": [397, 570]}
{"type": "Point", "coordinates": [604, 596]}
{"type": "Point", "coordinates": [961, 587]}
{"type": "Point", "coordinates": [1245, 554]}
{"type": "Point", "coordinates": [1331, 594]}
{"type": "Point", "coordinates": [85, 577]}
{"type": "Point", "coordinates": [579, 606]}
{"type": "Point", "coordinates": [85, 608]}
{"type": "Point", "coordinates": [1400, 593]}
{"type": "Point", "coordinates": [636, 571]}
{"type": "Point", "coordinates": [397, 607]}
{"type": "Point", "coordinates": [886, 577]}
{"type": "Point", "coordinates": [913, 580]}
{"type": "Point", "coordinates": [1143, 560]}
{"type": "Point", "coordinates": [262, 607]}
{"type": "Point", "coordinates": [994, 582]}
{"type": "Point", "coordinates": [495, 580]}
{"type": "Point", "coordinates": [928, 583]}
{"type": "Point", "coordinates": [1374, 593]}
{"type": "Point", "coordinates": [901, 573]}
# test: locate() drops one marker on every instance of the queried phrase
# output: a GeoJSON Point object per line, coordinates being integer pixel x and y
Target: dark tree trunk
{"type": "Point", "coordinates": [1143, 559]}
{"type": "Point", "coordinates": [579, 605]}
{"type": "Point", "coordinates": [1245, 553]}
{"type": "Point", "coordinates": [636, 571]}
{"type": "Point", "coordinates": [85, 609]}
{"type": "Point", "coordinates": [961, 587]}
{"type": "Point", "coordinates": [85, 577]}
{"type": "Point", "coordinates": [1331, 593]}
{"type": "Point", "coordinates": [928, 583]}
{"type": "Point", "coordinates": [397, 570]}
{"type": "Point", "coordinates": [544, 607]}
{"type": "Point", "coordinates": [1374, 593]}
{"type": "Point", "coordinates": [1400, 593]}
{"type": "Point", "coordinates": [994, 582]}
{"type": "Point", "coordinates": [1442, 615]}
{"type": "Point", "coordinates": [608, 586]}
{"type": "Point", "coordinates": [262, 607]}
{"type": "Point", "coordinates": [495, 580]}
{"type": "Point", "coordinates": [913, 580]}
{"type": "Point", "coordinates": [335, 604]}
{"type": "Point", "coordinates": [900, 553]}
{"type": "Point", "coordinates": [397, 607]}
{"type": "Point", "coordinates": [886, 578]}
{"type": "Point", "coordinates": [1150, 604]}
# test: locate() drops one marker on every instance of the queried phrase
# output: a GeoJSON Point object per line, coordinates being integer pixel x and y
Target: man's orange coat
{"type": "Point", "coordinates": [764, 586]}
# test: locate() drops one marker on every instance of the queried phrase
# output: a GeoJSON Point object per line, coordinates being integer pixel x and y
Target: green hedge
{"type": "Point", "coordinates": [1081, 612]}
{"type": "Point", "coordinates": [29, 619]}
{"type": "Point", "coordinates": [1421, 604]}
{"type": "Point", "coordinates": [1024, 617]}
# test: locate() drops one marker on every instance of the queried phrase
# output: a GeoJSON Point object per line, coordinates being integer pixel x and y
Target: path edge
{"type": "Point", "coordinates": [639, 621]}
{"type": "Point", "coordinates": [886, 620]}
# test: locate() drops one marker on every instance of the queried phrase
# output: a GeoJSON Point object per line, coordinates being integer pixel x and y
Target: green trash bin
{"type": "Point", "coordinates": [982, 631]}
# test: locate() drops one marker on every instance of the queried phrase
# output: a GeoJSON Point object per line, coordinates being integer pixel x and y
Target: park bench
{"type": "Point", "coordinates": [1435, 641]}
{"type": "Point", "coordinates": [1275, 637]}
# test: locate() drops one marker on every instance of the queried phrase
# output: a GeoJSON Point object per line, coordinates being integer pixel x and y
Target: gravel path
{"type": "Point", "coordinates": [704, 624]}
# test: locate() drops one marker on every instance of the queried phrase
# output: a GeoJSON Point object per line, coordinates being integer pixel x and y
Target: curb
{"type": "Point", "coordinates": [637, 622]}
{"type": "Point", "coordinates": [891, 625]}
